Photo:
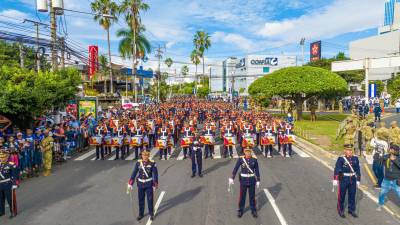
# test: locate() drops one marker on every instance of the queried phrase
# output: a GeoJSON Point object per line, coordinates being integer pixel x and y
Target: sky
{"type": "Point", "coordinates": [236, 27]}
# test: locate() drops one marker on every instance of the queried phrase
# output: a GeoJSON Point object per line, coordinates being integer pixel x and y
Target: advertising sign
{"type": "Point", "coordinates": [315, 51]}
{"type": "Point", "coordinates": [93, 60]}
{"type": "Point", "coordinates": [372, 90]}
{"type": "Point", "coordinates": [87, 107]}
{"type": "Point", "coordinates": [268, 61]}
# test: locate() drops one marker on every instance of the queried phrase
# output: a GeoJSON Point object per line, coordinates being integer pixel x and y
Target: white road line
{"type": "Point", "coordinates": [113, 157]}
{"type": "Point", "coordinates": [300, 152]}
{"type": "Point", "coordinates": [217, 151]}
{"type": "Point", "coordinates": [112, 152]}
{"type": "Point", "coordinates": [131, 156]}
{"type": "Point", "coordinates": [275, 207]}
{"type": "Point", "coordinates": [153, 153]}
{"type": "Point", "coordinates": [180, 156]}
{"type": "Point", "coordinates": [235, 152]}
{"type": "Point", "coordinates": [156, 206]}
{"type": "Point", "coordinates": [86, 155]}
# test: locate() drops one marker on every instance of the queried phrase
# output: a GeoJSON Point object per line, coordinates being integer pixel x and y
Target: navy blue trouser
{"type": "Point", "coordinates": [378, 169]}
{"type": "Point", "coordinates": [197, 163]}
{"type": "Point", "coordinates": [142, 193]}
{"type": "Point", "coordinates": [252, 196]}
{"type": "Point", "coordinates": [5, 194]}
{"type": "Point", "coordinates": [348, 184]}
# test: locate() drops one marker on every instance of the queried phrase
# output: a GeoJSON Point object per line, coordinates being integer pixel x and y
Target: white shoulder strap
{"type": "Point", "coordinates": [247, 165]}
{"type": "Point", "coordinates": [351, 167]}
{"type": "Point", "coordinates": [142, 167]}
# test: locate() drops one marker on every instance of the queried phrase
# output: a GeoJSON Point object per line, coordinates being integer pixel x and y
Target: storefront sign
{"type": "Point", "coordinates": [269, 61]}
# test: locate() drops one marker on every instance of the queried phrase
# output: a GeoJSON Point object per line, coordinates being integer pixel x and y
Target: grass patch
{"type": "Point", "coordinates": [321, 132]}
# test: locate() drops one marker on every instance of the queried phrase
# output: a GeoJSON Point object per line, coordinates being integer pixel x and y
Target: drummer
{"type": "Point", "coordinates": [209, 130]}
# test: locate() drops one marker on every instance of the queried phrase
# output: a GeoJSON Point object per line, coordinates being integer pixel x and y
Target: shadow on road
{"type": "Point", "coordinates": [275, 190]}
{"type": "Point", "coordinates": [179, 199]}
{"type": "Point", "coordinates": [216, 166]}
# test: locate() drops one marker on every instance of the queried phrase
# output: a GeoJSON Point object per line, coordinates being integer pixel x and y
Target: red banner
{"type": "Point", "coordinates": [93, 60]}
{"type": "Point", "coordinates": [315, 51]}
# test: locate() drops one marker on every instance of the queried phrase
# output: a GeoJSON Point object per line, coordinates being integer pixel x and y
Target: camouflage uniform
{"type": "Point", "coordinates": [47, 148]}
{"type": "Point", "coordinates": [395, 133]}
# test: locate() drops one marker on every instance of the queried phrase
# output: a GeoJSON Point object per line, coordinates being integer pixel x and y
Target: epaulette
{"type": "Point", "coordinates": [11, 163]}
{"type": "Point", "coordinates": [140, 160]}
{"type": "Point", "coordinates": [151, 160]}
{"type": "Point", "coordinates": [242, 156]}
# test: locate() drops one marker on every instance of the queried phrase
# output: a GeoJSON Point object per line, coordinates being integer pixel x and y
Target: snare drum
{"type": "Point", "coordinates": [229, 141]}
{"type": "Point", "coordinates": [108, 140]}
{"type": "Point", "coordinates": [136, 141]}
{"type": "Point", "coordinates": [291, 139]}
{"type": "Point", "coordinates": [161, 144]}
{"type": "Point", "coordinates": [207, 140]}
{"type": "Point", "coordinates": [95, 140]}
{"type": "Point", "coordinates": [116, 141]}
{"type": "Point", "coordinates": [127, 140]}
{"type": "Point", "coordinates": [248, 142]}
{"type": "Point", "coordinates": [186, 142]}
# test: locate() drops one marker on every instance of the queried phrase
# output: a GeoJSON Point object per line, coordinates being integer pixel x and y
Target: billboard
{"type": "Point", "coordinates": [315, 51]}
{"type": "Point", "coordinates": [86, 107]}
{"type": "Point", "coordinates": [93, 60]}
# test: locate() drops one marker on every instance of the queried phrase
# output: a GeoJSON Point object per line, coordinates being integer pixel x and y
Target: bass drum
{"type": "Point", "coordinates": [96, 140]}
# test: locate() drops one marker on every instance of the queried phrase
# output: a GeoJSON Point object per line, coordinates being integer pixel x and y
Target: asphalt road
{"type": "Point", "coordinates": [294, 191]}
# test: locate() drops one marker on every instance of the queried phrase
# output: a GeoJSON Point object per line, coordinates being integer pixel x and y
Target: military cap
{"type": "Point", "coordinates": [348, 147]}
{"type": "Point", "coordinates": [247, 150]}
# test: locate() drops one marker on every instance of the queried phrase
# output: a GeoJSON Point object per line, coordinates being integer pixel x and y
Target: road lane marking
{"type": "Point", "coordinates": [149, 221]}
{"type": "Point", "coordinates": [112, 152]}
{"type": "Point", "coordinates": [370, 174]}
{"type": "Point", "coordinates": [180, 156]}
{"type": "Point", "coordinates": [235, 152]}
{"type": "Point", "coordinates": [300, 152]}
{"type": "Point", "coordinates": [153, 153]}
{"type": "Point", "coordinates": [275, 207]}
{"type": "Point", "coordinates": [217, 151]}
{"type": "Point", "coordinates": [132, 155]}
{"type": "Point", "coordinates": [86, 155]}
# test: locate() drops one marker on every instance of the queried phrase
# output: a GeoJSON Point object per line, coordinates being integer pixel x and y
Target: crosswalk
{"type": "Point", "coordinates": [177, 154]}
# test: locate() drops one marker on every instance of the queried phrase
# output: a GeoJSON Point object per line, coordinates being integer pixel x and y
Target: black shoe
{"type": "Point", "coordinates": [254, 213]}
{"type": "Point", "coordinates": [353, 214]}
{"type": "Point", "coordinates": [97, 159]}
{"type": "Point", "coordinates": [240, 214]}
{"type": "Point", "coordinates": [139, 218]}
{"type": "Point", "coordinates": [193, 175]}
{"type": "Point", "coordinates": [151, 218]}
{"type": "Point", "coordinates": [341, 214]}
{"type": "Point", "coordinates": [200, 175]}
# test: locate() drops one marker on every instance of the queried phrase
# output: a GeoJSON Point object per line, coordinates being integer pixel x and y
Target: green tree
{"type": "Point", "coordinates": [394, 88]}
{"type": "Point", "coordinates": [202, 41]}
{"type": "Point", "coordinates": [132, 9]}
{"type": "Point", "coordinates": [105, 13]}
{"type": "Point", "coordinates": [195, 58]}
{"type": "Point", "coordinates": [26, 94]}
{"type": "Point", "coordinates": [354, 76]}
{"type": "Point", "coordinates": [125, 47]}
{"type": "Point", "coordinates": [299, 84]}
{"type": "Point", "coordinates": [185, 70]}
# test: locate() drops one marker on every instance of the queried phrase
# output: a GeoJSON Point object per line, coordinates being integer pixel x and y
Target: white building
{"type": "Point", "coordinates": [238, 74]}
{"type": "Point", "coordinates": [385, 44]}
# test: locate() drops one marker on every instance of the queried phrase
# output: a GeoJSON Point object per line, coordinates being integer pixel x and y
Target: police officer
{"type": "Point", "coordinates": [8, 183]}
{"type": "Point", "coordinates": [249, 178]}
{"type": "Point", "coordinates": [347, 175]}
{"type": "Point", "coordinates": [196, 156]}
{"type": "Point", "coordinates": [146, 176]}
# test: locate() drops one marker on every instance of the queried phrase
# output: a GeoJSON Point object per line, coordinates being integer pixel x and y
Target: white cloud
{"type": "Point", "coordinates": [236, 40]}
{"type": "Point", "coordinates": [12, 15]}
{"type": "Point", "coordinates": [342, 16]}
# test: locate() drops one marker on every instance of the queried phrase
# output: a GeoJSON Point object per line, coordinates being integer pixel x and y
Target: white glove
{"type": "Point", "coordinates": [14, 187]}
{"type": "Point", "coordinates": [258, 184]}
{"type": "Point", "coordinates": [358, 183]}
{"type": "Point", "coordinates": [335, 183]}
{"type": "Point", "coordinates": [130, 187]}
{"type": "Point", "coordinates": [230, 181]}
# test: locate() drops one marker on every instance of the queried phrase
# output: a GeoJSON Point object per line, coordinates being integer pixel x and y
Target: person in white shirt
{"type": "Point", "coordinates": [380, 149]}
{"type": "Point", "coordinates": [397, 104]}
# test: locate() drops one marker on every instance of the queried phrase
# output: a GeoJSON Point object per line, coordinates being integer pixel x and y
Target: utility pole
{"type": "Point", "coordinates": [53, 28]}
{"type": "Point", "coordinates": [62, 44]}
{"type": "Point", "coordinates": [302, 42]}
{"type": "Point", "coordinates": [209, 81]}
{"type": "Point", "coordinates": [36, 24]}
{"type": "Point", "coordinates": [21, 55]}
{"type": "Point", "coordinates": [159, 53]}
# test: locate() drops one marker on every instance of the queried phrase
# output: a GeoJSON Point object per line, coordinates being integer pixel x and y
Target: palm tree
{"type": "Point", "coordinates": [106, 11]}
{"type": "Point", "coordinates": [184, 72]}
{"type": "Point", "coordinates": [168, 61]}
{"type": "Point", "coordinates": [143, 46]}
{"type": "Point", "coordinates": [195, 58]}
{"type": "Point", "coordinates": [201, 43]}
{"type": "Point", "coordinates": [132, 9]}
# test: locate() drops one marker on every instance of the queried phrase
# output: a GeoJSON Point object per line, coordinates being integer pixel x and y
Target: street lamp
{"type": "Point", "coordinates": [302, 42]}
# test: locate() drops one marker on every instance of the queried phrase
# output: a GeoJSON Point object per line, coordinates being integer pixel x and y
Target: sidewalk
{"type": "Point", "coordinates": [328, 159]}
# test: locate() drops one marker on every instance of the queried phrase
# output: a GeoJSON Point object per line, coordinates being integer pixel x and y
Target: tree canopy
{"type": "Point", "coordinates": [26, 94]}
{"type": "Point", "coordinates": [299, 84]}
{"type": "Point", "coordinates": [354, 76]}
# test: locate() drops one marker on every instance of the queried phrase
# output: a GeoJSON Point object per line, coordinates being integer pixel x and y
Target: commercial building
{"type": "Point", "coordinates": [238, 73]}
{"type": "Point", "coordinates": [385, 44]}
